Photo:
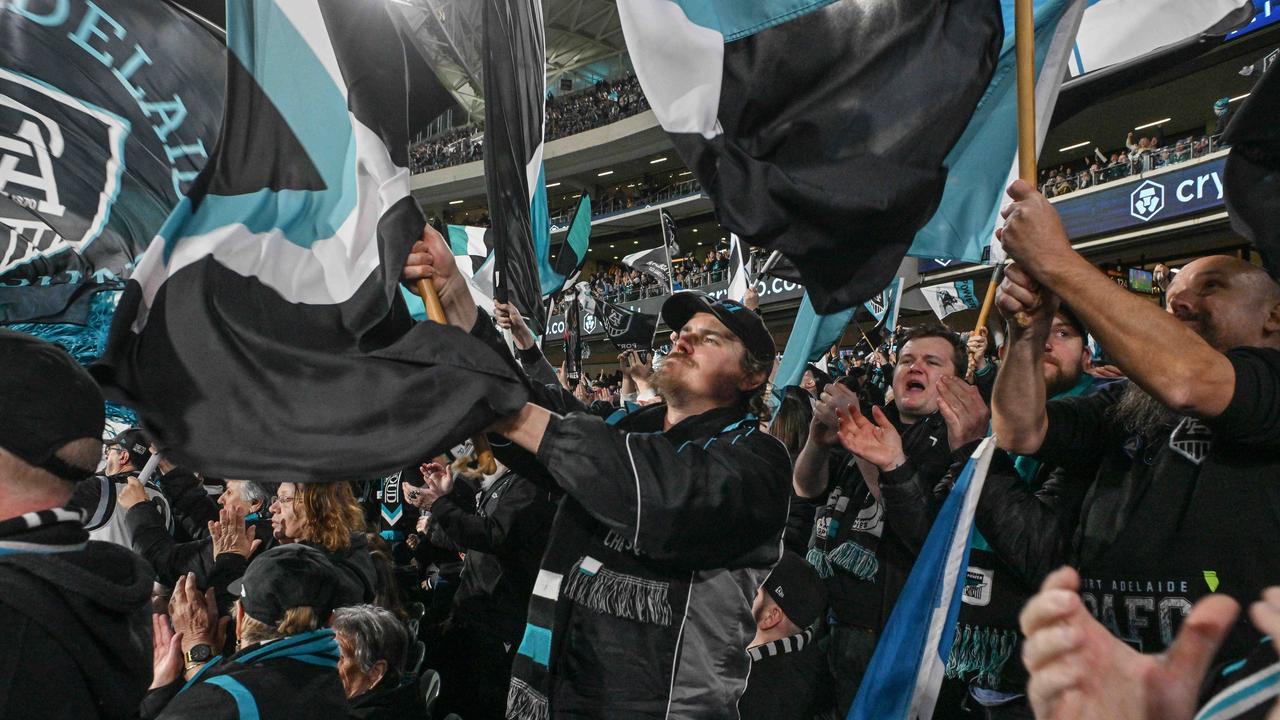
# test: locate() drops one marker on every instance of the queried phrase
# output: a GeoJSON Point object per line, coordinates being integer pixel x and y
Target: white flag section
{"type": "Point", "coordinates": [951, 297]}
{"type": "Point", "coordinates": [739, 280]}
{"type": "Point", "coordinates": [1117, 31]}
{"type": "Point", "coordinates": [902, 681]}
{"type": "Point", "coordinates": [475, 260]}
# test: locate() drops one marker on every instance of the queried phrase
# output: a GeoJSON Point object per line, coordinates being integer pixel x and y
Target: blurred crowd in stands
{"type": "Point", "coordinates": [1140, 155]}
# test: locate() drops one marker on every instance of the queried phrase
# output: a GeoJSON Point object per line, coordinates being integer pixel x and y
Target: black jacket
{"type": "Point", "coordinates": [404, 701]}
{"type": "Point", "coordinates": [293, 678]}
{"type": "Point", "coordinates": [75, 640]}
{"type": "Point", "coordinates": [190, 503]}
{"type": "Point", "coordinates": [503, 538]}
{"type": "Point", "coordinates": [789, 681]}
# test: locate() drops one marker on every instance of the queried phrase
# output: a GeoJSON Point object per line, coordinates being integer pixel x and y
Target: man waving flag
{"type": "Point", "coordinates": [266, 315]}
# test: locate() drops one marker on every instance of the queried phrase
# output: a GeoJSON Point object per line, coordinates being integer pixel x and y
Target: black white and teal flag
{"type": "Point", "coordinates": [805, 120]}
{"type": "Point", "coordinates": [885, 304]}
{"type": "Point", "coordinates": [627, 329]}
{"type": "Point", "coordinates": [572, 253]}
{"type": "Point", "coordinates": [740, 280]}
{"type": "Point", "coordinates": [108, 109]}
{"type": "Point", "coordinates": [514, 70]}
{"type": "Point", "coordinates": [266, 315]}
{"type": "Point", "coordinates": [1252, 176]}
{"type": "Point", "coordinates": [951, 297]}
{"type": "Point", "coordinates": [654, 262]}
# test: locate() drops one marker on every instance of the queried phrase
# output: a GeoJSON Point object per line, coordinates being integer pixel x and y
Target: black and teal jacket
{"type": "Point", "coordinates": [293, 678]}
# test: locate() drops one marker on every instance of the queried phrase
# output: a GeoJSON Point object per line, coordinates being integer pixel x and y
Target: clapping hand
{"type": "Point", "coordinates": [230, 534]}
{"type": "Point", "coordinates": [966, 415]}
{"type": "Point", "coordinates": [195, 615]}
{"type": "Point", "coordinates": [166, 652]}
{"type": "Point", "coordinates": [876, 442]}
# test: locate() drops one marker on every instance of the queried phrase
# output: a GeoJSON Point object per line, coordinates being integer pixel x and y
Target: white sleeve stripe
{"type": "Point", "coordinates": [635, 540]}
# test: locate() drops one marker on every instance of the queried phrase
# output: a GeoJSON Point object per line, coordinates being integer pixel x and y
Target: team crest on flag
{"type": "Point", "coordinates": [267, 312]}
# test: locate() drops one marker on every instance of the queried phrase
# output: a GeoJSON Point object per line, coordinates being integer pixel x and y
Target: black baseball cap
{"type": "Point", "coordinates": [740, 320]}
{"type": "Point", "coordinates": [284, 577]}
{"type": "Point", "coordinates": [795, 586]}
{"type": "Point", "coordinates": [48, 400]}
{"type": "Point", "coordinates": [136, 443]}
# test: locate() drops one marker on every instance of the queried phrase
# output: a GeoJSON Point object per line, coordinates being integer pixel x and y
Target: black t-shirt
{"type": "Point", "coordinates": [1165, 522]}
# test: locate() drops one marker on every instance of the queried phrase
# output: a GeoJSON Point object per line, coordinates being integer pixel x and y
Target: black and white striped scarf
{"type": "Point", "coordinates": [781, 646]}
{"type": "Point", "coordinates": [43, 531]}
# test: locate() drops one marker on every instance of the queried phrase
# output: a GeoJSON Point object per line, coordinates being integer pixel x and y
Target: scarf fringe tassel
{"type": "Point", "coordinates": [855, 559]}
{"type": "Point", "coordinates": [525, 703]}
{"type": "Point", "coordinates": [619, 595]}
{"type": "Point", "coordinates": [979, 654]}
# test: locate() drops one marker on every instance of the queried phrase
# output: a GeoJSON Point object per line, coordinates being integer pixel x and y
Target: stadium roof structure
{"type": "Point", "coordinates": [582, 37]}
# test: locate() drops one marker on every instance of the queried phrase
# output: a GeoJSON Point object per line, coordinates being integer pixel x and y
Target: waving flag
{"type": "Point", "coordinates": [654, 262]}
{"type": "Point", "coordinates": [99, 137]}
{"type": "Point", "coordinates": [266, 315]}
{"type": "Point", "coordinates": [515, 101]}
{"type": "Point", "coordinates": [804, 120]}
{"type": "Point", "coordinates": [902, 681]}
{"type": "Point", "coordinates": [811, 334]}
{"type": "Point", "coordinates": [573, 251]}
{"type": "Point", "coordinates": [627, 329]}
{"type": "Point", "coordinates": [951, 297]}
{"type": "Point", "coordinates": [740, 279]}
{"type": "Point", "coordinates": [885, 304]}
{"type": "Point", "coordinates": [1252, 175]}
{"type": "Point", "coordinates": [1115, 32]}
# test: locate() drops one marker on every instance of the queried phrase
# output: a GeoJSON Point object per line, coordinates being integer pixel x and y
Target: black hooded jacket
{"type": "Point", "coordinates": [76, 637]}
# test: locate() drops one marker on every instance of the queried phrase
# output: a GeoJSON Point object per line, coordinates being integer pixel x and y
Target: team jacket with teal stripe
{"type": "Point", "coordinates": [294, 678]}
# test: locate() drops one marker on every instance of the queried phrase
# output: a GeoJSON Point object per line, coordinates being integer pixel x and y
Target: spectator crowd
{"type": "Point", "coordinates": [679, 540]}
{"type": "Point", "coordinates": [603, 103]}
{"type": "Point", "coordinates": [1140, 155]}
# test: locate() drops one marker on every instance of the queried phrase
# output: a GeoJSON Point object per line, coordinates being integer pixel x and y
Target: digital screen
{"type": "Point", "coordinates": [1140, 280]}
{"type": "Point", "coordinates": [1266, 12]}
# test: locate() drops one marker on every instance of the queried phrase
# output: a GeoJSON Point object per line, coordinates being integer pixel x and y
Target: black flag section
{"type": "Point", "coordinates": [515, 100]}
{"type": "Point", "coordinates": [627, 329]}
{"type": "Point", "coordinates": [1252, 177]}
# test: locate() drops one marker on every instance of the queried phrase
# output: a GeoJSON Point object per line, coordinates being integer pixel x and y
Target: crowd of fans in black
{"type": "Point", "coordinates": [670, 542]}
{"type": "Point", "coordinates": [603, 103]}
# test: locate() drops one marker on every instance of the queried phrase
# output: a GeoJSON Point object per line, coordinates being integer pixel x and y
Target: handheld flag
{"type": "Point", "coordinates": [740, 281]}
{"type": "Point", "coordinates": [573, 251]}
{"type": "Point", "coordinates": [96, 147]}
{"type": "Point", "coordinates": [1116, 32]}
{"type": "Point", "coordinates": [654, 262]}
{"type": "Point", "coordinates": [515, 103]}
{"type": "Point", "coordinates": [947, 298]}
{"type": "Point", "coordinates": [627, 329]}
{"type": "Point", "coordinates": [803, 120]}
{"type": "Point", "coordinates": [902, 681]}
{"type": "Point", "coordinates": [884, 306]}
{"type": "Point", "coordinates": [267, 315]}
{"type": "Point", "coordinates": [573, 340]}
{"type": "Point", "coordinates": [1252, 176]}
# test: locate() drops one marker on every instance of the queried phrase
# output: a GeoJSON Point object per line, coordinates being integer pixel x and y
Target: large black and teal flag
{"type": "Point", "coordinates": [1252, 176]}
{"type": "Point", "coordinates": [263, 334]}
{"type": "Point", "coordinates": [514, 111]}
{"type": "Point", "coordinates": [817, 127]}
{"type": "Point", "coordinates": [107, 111]}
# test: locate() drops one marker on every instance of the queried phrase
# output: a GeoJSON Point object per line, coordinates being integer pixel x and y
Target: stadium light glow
{"type": "Point", "coordinates": [606, 172]}
{"type": "Point", "coordinates": [1239, 97]}
{"type": "Point", "coordinates": [1153, 124]}
{"type": "Point", "coordinates": [456, 202]}
{"type": "Point", "coordinates": [686, 172]}
{"type": "Point", "coordinates": [658, 160]}
{"type": "Point", "coordinates": [1073, 147]}
{"type": "Point", "coordinates": [554, 184]}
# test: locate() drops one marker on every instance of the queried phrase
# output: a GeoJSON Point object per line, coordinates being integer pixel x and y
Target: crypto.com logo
{"type": "Point", "coordinates": [1147, 200]}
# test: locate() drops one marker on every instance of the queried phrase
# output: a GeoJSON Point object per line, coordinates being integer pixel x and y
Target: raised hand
{"type": "Point", "coordinates": [966, 415]}
{"type": "Point", "coordinates": [431, 259]}
{"type": "Point", "coordinates": [131, 494]}
{"type": "Point", "coordinates": [1080, 670]}
{"type": "Point", "coordinates": [195, 615]}
{"type": "Point", "coordinates": [231, 535]}
{"type": "Point", "coordinates": [1025, 304]}
{"type": "Point", "coordinates": [876, 442]}
{"type": "Point", "coordinates": [166, 652]}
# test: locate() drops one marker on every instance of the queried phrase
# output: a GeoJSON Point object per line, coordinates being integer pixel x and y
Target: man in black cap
{"type": "Point", "coordinates": [670, 520]}
{"type": "Point", "coordinates": [106, 499]}
{"type": "Point", "coordinates": [75, 612]}
{"type": "Point", "coordinates": [286, 661]}
{"type": "Point", "coordinates": [788, 672]}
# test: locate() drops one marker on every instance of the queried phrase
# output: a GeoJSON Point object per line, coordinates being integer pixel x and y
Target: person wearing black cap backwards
{"type": "Point", "coordinates": [286, 660]}
{"type": "Point", "coordinates": [73, 638]}
{"type": "Point", "coordinates": [671, 520]}
{"type": "Point", "coordinates": [788, 672]}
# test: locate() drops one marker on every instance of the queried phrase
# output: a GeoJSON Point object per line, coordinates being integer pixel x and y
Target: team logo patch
{"type": "Point", "coordinates": [58, 177]}
{"type": "Point", "coordinates": [1192, 440]}
{"type": "Point", "coordinates": [977, 586]}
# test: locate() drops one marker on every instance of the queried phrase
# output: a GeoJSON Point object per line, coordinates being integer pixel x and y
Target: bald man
{"type": "Point", "coordinates": [1183, 460]}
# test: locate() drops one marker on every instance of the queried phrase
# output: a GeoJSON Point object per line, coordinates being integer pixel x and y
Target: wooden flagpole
{"type": "Point", "coordinates": [1024, 48]}
{"type": "Point", "coordinates": [482, 453]}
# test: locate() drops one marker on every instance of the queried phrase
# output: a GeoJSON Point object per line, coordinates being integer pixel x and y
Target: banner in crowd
{"type": "Point", "coordinates": [514, 115]}
{"type": "Point", "coordinates": [568, 262]}
{"type": "Point", "coordinates": [885, 304]}
{"type": "Point", "coordinates": [985, 159]}
{"type": "Point", "coordinates": [627, 329]}
{"type": "Point", "coordinates": [573, 339]}
{"type": "Point", "coordinates": [654, 262]}
{"type": "Point", "coordinates": [267, 311]}
{"type": "Point", "coordinates": [951, 297]}
{"type": "Point", "coordinates": [107, 112]}
{"type": "Point", "coordinates": [910, 659]}
{"type": "Point", "coordinates": [1252, 176]}
{"type": "Point", "coordinates": [730, 81]}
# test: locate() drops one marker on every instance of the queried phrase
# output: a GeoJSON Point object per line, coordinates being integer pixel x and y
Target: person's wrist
{"type": "Point", "coordinates": [523, 339]}
{"type": "Point", "coordinates": [191, 640]}
{"type": "Point", "coordinates": [898, 461]}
